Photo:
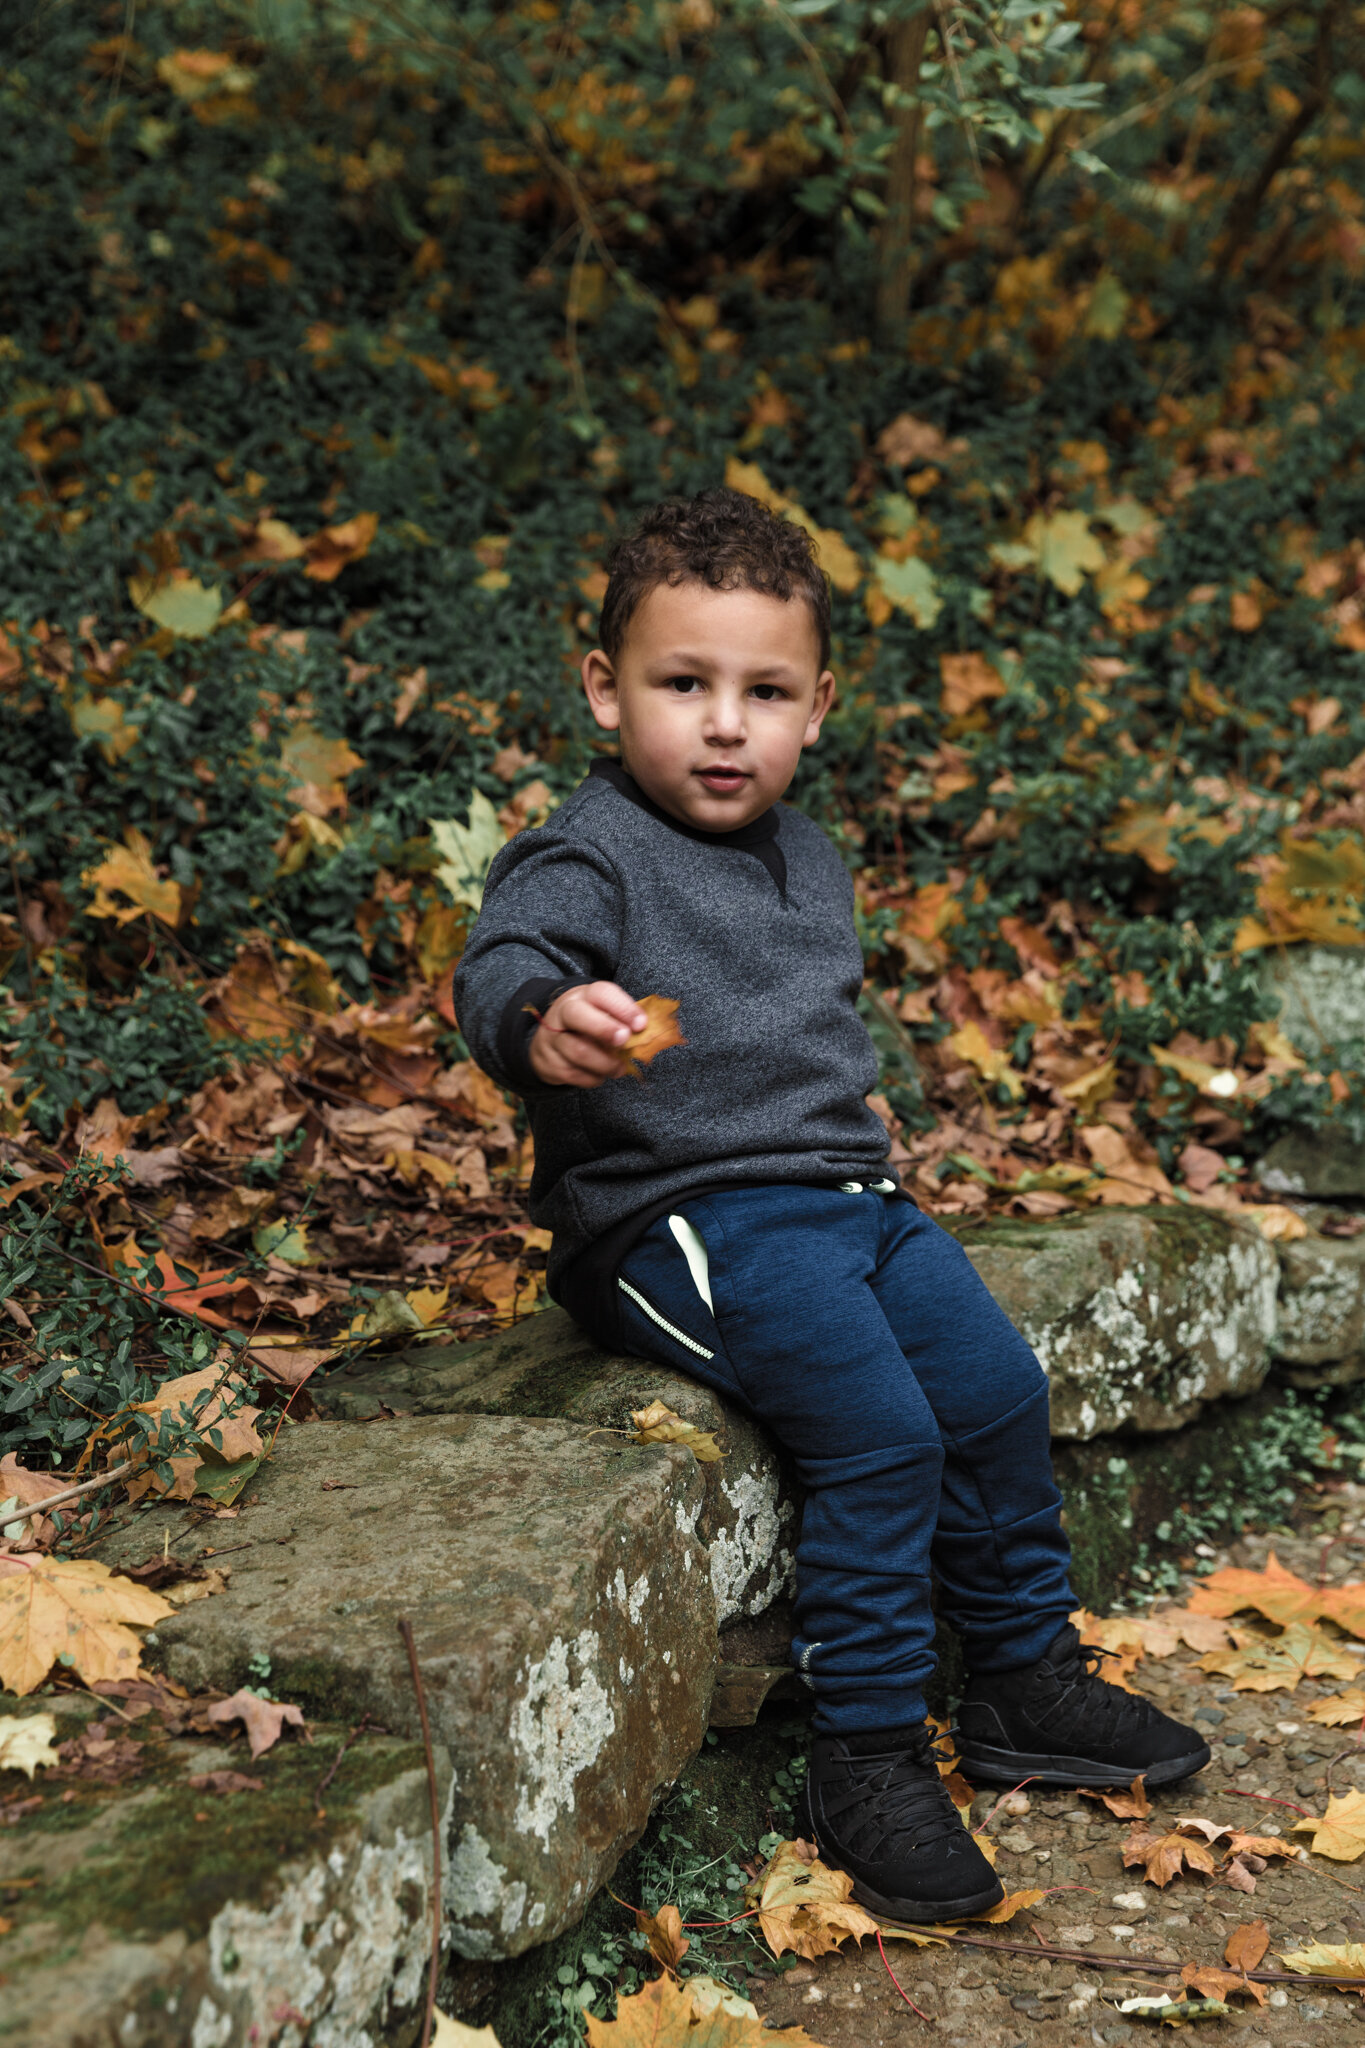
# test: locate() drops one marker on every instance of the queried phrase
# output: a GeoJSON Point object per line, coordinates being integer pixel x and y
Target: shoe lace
{"type": "Point", "coordinates": [1083, 1696]}
{"type": "Point", "coordinates": [883, 1799]}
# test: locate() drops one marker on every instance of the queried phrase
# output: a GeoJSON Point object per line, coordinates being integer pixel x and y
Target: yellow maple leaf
{"type": "Point", "coordinates": [1340, 1833]}
{"type": "Point", "coordinates": [832, 551]}
{"type": "Point", "coordinates": [1065, 549]}
{"type": "Point", "coordinates": [1278, 1666]}
{"type": "Point", "coordinates": [1327, 1959]}
{"type": "Point", "coordinates": [72, 1609]}
{"type": "Point", "coordinates": [126, 872]}
{"type": "Point", "coordinates": [657, 1424]}
{"type": "Point", "coordinates": [970, 1043]}
{"type": "Point", "coordinates": [804, 1906]}
{"type": "Point", "coordinates": [1340, 1710]}
{"type": "Point", "coordinates": [1279, 1595]}
{"type": "Point", "coordinates": [665, 2015]}
{"type": "Point", "coordinates": [317, 767]}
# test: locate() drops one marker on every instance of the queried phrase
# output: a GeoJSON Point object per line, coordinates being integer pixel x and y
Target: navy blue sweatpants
{"type": "Point", "coordinates": [917, 1417]}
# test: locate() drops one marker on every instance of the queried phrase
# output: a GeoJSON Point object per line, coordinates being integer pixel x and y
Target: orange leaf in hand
{"type": "Point", "coordinates": [660, 1032]}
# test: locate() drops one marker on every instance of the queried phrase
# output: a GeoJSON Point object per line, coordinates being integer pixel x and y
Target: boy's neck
{"type": "Point", "coordinates": [763, 827]}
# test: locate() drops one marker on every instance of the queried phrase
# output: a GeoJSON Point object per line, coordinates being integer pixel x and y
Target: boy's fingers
{"type": "Point", "coordinates": [615, 1001]}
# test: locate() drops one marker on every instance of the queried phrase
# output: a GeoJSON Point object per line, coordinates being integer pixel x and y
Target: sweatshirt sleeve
{"type": "Point", "coordinates": [551, 919]}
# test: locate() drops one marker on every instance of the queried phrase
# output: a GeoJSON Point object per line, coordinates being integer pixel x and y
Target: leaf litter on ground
{"type": "Point", "coordinates": [70, 1611]}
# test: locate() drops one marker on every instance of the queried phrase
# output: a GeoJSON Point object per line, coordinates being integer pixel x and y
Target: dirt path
{"type": "Point", "coordinates": [1263, 1745]}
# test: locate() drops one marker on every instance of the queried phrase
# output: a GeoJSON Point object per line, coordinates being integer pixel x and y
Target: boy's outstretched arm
{"type": "Point", "coordinates": [578, 1041]}
{"type": "Point", "coordinates": [545, 947]}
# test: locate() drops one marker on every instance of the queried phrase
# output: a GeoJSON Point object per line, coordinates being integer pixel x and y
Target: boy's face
{"type": "Point", "coordinates": [714, 695]}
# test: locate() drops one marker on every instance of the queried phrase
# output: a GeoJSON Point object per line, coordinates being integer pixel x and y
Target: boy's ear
{"type": "Point", "coordinates": [824, 697]}
{"type": "Point", "coordinates": [599, 686]}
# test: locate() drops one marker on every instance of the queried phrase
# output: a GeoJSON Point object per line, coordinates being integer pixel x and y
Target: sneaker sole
{"type": "Point", "coordinates": [1011, 1766]}
{"type": "Point", "coordinates": [927, 1912]}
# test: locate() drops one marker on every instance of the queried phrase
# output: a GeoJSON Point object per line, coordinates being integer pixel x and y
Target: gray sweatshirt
{"type": "Point", "coordinates": [753, 932]}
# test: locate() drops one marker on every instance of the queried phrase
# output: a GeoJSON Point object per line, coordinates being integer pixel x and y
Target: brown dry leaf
{"type": "Point", "coordinates": [660, 1032]}
{"type": "Point", "coordinates": [233, 1210]}
{"type": "Point", "coordinates": [317, 767]}
{"type": "Point", "coordinates": [968, 680]}
{"type": "Point", "coordinates": [1278, 1666]}
{"type": "Point", "coordinates": [1163, 1633]}
{"type": "Point", "coordinates": [1246, 1945]}
{"type": "Point", "coordinates": [1211, 1982]}
{"type": "Point", "coordinates": [1337, 1712]}
{"type": "Point", "coordinates": [1121, 1634]}
{"type": "Point", "coordinates": [805, 1907]}
{"type": "Point", "coordinates": [71, 1609]}
{"type": "Point", "coordinates": [264, 1720]}
{"type": "Point", "coordinates": [664, 2015]}
{"type": "Point", "coordinates": [1130, 1805]}
{"type": "Point", "coordinates": [224, 1781]}
{"type": "Point", "coordinates": [659, 1425]}
{"type": "Point", "coordinates": [1323, 1959]}
{"type": "Point", "coordinates": [1163, 1857]}
{"type": "Point", "coordinates": [663, 1931]}
{"type": "Point", "coordinates": [332, 547]}
{"type": "Point", "coordinates": [1128, 1182]}
{"type": "Point", "coordinates": [1340, 1833]}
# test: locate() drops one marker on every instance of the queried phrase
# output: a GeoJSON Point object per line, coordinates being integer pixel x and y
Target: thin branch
{"type": "Point", "coordinates": [37, 1509]}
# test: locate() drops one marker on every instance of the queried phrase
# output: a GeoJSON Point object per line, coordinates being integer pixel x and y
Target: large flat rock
{"type": "Point", "coordinates": [1321, 996]}
{"type": "Point", "coordinates": [564, 1621]}
{"type": "Point", "coordinates": [1139, 1316]}
{"type": "Point", "coordinates": [549, 1366]}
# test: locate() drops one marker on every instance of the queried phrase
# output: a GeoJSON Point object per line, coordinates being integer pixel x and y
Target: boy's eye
{"type": "Point", "coordinates": [684, 685]}
{"type": "Point", "coordinates": [769, 693]}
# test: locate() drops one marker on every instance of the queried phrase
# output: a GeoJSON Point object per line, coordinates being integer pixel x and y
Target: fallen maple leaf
{"type": "Point", "coordinates": [1278, 1666]}
{"type": "Point", "coordinates": [71, 1609]}
{"type": "Point", "coordinates": [224, 1781]}
{"type": "Point", "coordinates": [663, 2015]}
{"type": "Point", "coordinates": [1337, 1712]}
{"type": "Point", "coordinates": [1324, 1959]}
{"type": "Point", "coordinates": [1163, 1857]}
{"type": "Point", "coordinates": [1130, 1805]}
{"type": "Point", "coordinates": [264, 1720]}
{"type": "Point", "coordinates": [660, 1032]}
{"type": "Point", "coordinates": [332, 547]}
{"type": "Point", "coordinates": [1246, 1945]}
{"type": "Point", "coordinates": [971, 1044]}
{"type": "Point", "coordinates": [449, 2033]}
{"type": "Point", "coordinates": [663, 1931]}
{"type": "Point", "coordinates": [1163, 1633]}
{"type": "Point", "coordinates": [26, 1744]}
{"type": "Point", "coordinates": [127, 872]}
{"type": "Point", "coordinates": [1280, 1596]}
{"type": "Point", "coordinates": [1006, 1908]}
{"type": "Point", "coordinates": [1211, 1982]}
{"type": "Point", "coordinates": [804, 1906]}
{"type": "Point", "coordinates": [659, 1425]}
{"type": "Point", "coordinates": [1340, 1833]}
{"type": "Point", "coordinates": [1120, 1634]}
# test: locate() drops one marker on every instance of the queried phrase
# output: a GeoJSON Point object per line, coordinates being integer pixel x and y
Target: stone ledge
{"type": "Point", "coordinates": [563, 1617]}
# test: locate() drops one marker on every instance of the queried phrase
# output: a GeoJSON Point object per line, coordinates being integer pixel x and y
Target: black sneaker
{"type": "Point", "coordinates": [876, 1807]}
{"type": "Point", "coordinates": [1058, 1722]}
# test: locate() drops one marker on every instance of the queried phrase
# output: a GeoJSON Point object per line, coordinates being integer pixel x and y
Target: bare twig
{"type": "Point", "coordinates": [38, 1508]}
{"type": "Point", "coordinates": [1046, 1953]}
{"type": "Point", "coordinates": [405, 1630]}
{"type": "Point", "coordinates": [361, 1725]}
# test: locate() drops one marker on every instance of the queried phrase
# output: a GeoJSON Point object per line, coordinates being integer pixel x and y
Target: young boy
{"type": "Point", "coordinates": [733, 1215]}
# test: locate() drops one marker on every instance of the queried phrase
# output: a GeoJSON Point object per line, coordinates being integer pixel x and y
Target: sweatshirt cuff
{"type": "Point", "coordinates": [517, 1026]}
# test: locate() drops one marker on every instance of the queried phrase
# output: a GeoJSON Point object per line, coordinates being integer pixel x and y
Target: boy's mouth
{"type": "Point", "coordinates": [722, 781]}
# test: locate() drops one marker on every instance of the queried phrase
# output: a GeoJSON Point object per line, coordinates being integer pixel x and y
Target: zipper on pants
{"type": "Point", "coordinates": [669, 1329]}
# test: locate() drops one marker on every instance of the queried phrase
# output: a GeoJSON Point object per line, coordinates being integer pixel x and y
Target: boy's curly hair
{"type": "Point", "coordinates": [723, 539]}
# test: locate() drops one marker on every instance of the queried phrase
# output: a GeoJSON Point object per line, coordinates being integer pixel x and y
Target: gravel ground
{"type": "Point", "coordinates": [1264, 1744]}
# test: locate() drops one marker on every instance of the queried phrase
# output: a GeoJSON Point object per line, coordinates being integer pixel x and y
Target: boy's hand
{"type": "Point", "coordinates": [578, 1041]}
